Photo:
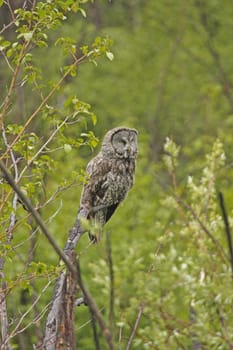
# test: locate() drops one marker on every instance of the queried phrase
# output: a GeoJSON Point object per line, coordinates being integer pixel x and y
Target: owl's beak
{"type": "Point", "coordinates": [128, 152]}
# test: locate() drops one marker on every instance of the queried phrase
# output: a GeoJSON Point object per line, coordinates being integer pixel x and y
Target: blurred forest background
{"type": "Point", "coordinates": [166, 69]}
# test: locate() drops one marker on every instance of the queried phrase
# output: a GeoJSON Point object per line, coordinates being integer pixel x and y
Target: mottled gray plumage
{"type": "Point", "coordinates": [111, 175]}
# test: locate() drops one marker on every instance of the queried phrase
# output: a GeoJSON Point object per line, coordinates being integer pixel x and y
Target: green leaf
{"type": "Point", "coordinates": [27, 36]}
{"type": "Point", "coordinates": [93, 119]}
{"type": "Point", "coordinates": [75, 7]}
{"type": "Point", "coordinates": [4, 45]}
{"type": "Point", "coordinates": [67, 148]}
{"type": "Point", "coordinates": [83, 12]}
{"type": "Point", "coordinates": [110, 55]}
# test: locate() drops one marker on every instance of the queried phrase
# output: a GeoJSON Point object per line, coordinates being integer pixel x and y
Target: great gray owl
{"type": "Point", "coordinates": [111, 175]}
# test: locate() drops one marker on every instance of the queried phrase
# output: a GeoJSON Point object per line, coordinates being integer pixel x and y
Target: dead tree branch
{"type": "Point", "coordinates": [227, 227]}
{"type": "Point", "coordinates": [135, 327]}
{"type": "Point", "coordinates": [111, 274]}
{"type": "Point", "coordinates": [95, 333]}
{"type": "Point", "coordinates": [94, 310]}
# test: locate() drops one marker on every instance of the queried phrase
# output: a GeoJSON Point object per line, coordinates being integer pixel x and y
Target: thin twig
{"type": "Point", "coordinates": [111, 274]}
{"type": "Point", "coordinates": [15, 199]}
{"type": "Point", "coordinates": [7, 61]}
{"type": "Point", "coordinates": [192, 316]}
{"type": "Point", "coordinates": [42, 104]}
{"type": "Point", "coordinates": [17, 329]}
{"type": "Point", "coordinates": [6, 26]}
{"type": "Point", "coordinates": [94, 329]}
{"type": "Point", "coordinates": [43, 146]}
{"type": "Point", "coordinates": [11, 87]}
{"type": "Point", "coordinates": [227, 227]}
{"type": "Point", "coordinates": [36, 155]}
{"type": "Point", "coordinates": [135, 327]}
{"type": "Point", "coordinates": [120, 337]}
{"type": "Point", "coordinates": [10, 10]}
{"type": "Point", "coordinates": [220, 249]}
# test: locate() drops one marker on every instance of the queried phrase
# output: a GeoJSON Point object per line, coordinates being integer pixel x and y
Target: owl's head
{"type": "Point", "coordinates": [120, 143]}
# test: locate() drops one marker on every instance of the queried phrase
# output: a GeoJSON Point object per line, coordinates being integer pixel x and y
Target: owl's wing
{"type": "Point", "coordinates": [96, 193]}
{"type": "Point", "coordinates": [110, 210]}
{"type": "Point", "coordinates": [96, 200]}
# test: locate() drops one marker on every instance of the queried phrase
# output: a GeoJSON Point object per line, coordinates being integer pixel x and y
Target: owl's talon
{"type": "Point", "coordinates": [93, 238]}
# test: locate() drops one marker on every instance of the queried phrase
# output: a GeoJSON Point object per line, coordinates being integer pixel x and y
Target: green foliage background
{"type": "Point", "coordinates": [168, 73]}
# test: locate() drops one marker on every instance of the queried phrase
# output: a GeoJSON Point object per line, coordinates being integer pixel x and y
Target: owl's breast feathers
{"type": "Point", "coordinates": [108, 184]}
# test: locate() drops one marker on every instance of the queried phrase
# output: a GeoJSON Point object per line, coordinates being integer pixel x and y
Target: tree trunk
{"type": "Point", "coordinates": [59, 330]}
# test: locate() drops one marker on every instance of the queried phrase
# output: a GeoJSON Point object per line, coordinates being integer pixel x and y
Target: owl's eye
{"type": "Point", "coordinates": [132, 140]}
{"type": "Point", "coordinates": [124, 142]}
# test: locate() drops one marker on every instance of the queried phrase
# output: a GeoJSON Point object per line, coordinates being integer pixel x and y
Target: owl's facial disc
{"type": "Point", "coordinates": [124, 143]}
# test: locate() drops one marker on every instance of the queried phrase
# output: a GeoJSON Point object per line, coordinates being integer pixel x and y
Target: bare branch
{"type": "Point", "coordinates": [227, 228]}
{"type": "Point", "coordinates": [17, 328]}
{"type": "Point", "coordinates": [94, 310]}
{"type": "Point", "coordinates": [10, 9]}
{"type": "Point", "coordinates": [95, 334]}
{"type": "Point", "coordinates": [135, 327]}
{"type": "Point", "coordinates": [12, 86]}
{"type": "Point", "coordinates": [7, 61]}
{"type": "Point", "coordinates": [60, 323]}
{"type": "Point", "coordinates": [192, 316]}
{"type": "Point", "coordinates": [111, 274]}
{"type": "Point", "coordinates": [52, 319]}
{"type": "Point", "coordinates": [6, 26]}
{"type": "Point", "coordinates": [14, 204]}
